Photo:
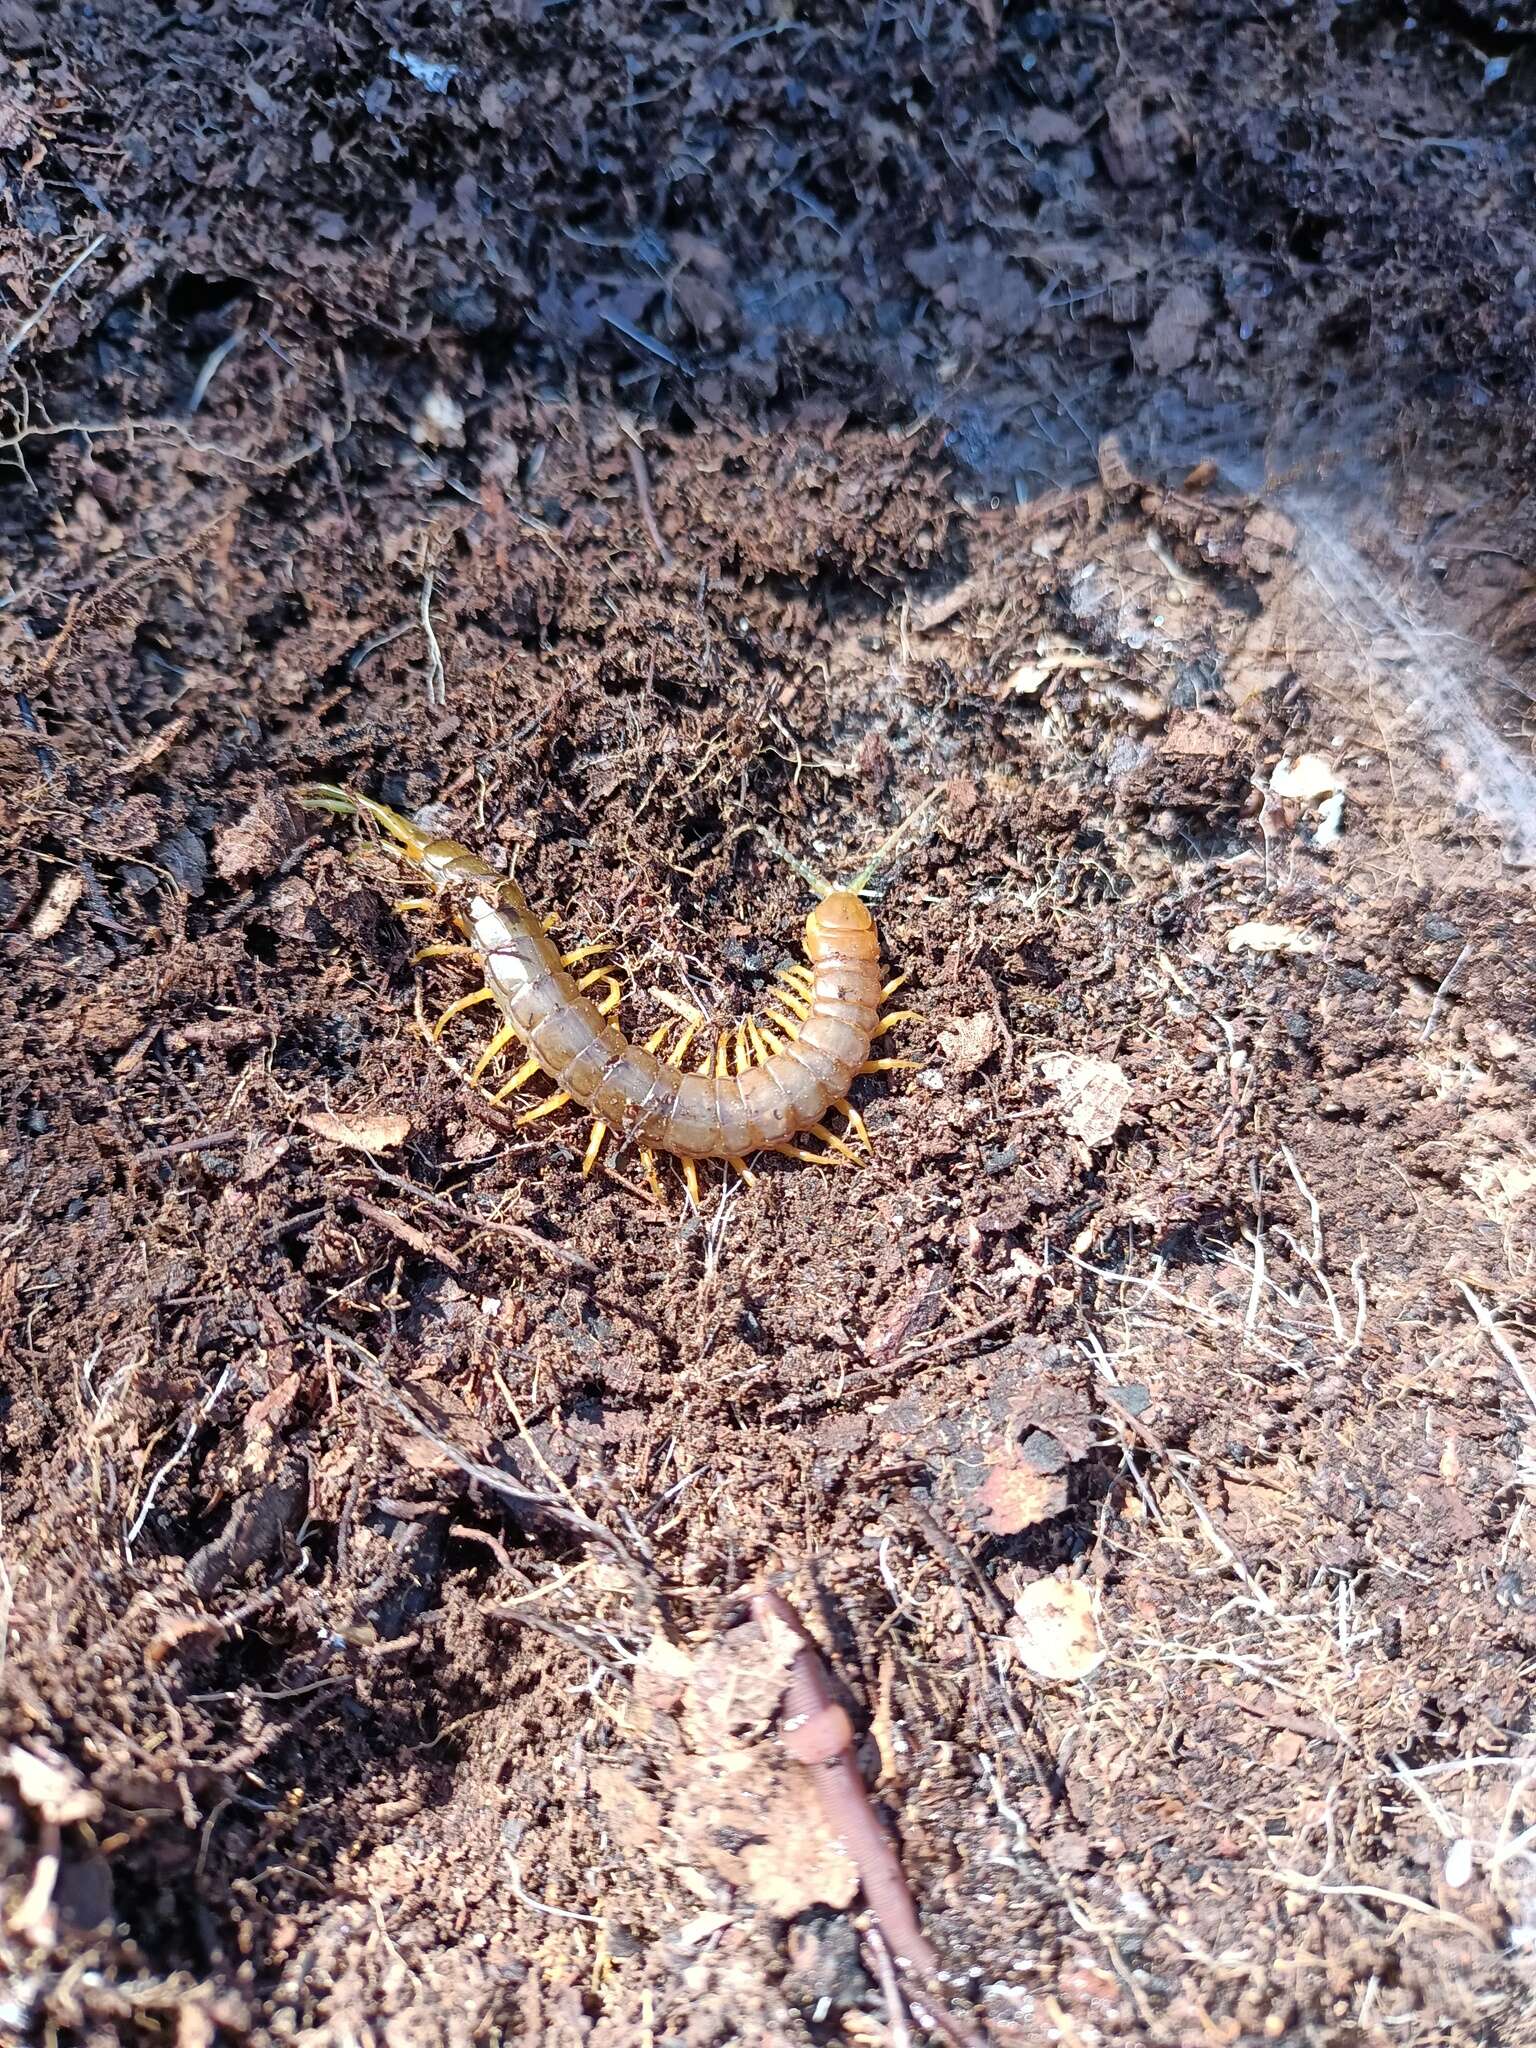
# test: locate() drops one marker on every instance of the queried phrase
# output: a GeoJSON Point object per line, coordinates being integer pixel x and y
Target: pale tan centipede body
{"type": "Point", "coordinates": [785, 1077]}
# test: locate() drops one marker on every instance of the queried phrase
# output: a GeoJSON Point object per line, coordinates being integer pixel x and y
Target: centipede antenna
{"type": "Point", "coordinates": [348, 803]}
{"type": "Point", "coordinates": [325, 796]}
{"type": "Point", "coordinates": [807, 875]}
{"type": "Point", "coordinates": [889, 844]}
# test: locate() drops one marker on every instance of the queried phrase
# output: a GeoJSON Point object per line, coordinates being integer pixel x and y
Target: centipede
{"type": "Point", "coordinates": [767, 1086]}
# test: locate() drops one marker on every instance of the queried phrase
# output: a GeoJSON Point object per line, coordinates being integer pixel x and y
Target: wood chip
{"type": "Point", "coordinates": [970, 1042]}
{"type": "Point", "coordinates": [1258, 937]}
{"type": "Point", "coordinates": [1094, 1094]}
{"type": "Point", "coordinates": [359, 1133]}
{"type": "Point", "coordinates": [52, 914]}
{"type": "Point", "coordinates": [1015, 1496]}
{"type": "Point", "coordinates": [1055, 1632]}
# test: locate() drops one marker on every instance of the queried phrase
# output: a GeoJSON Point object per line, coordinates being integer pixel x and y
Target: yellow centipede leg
{"type": "Point", "coordinates": [648, 1161]}
{"type": "Point", "coordinates": [654, 1043]}
{"type": "Point", "coordinates": [594, 1146]}
{"type": "Point", "coordinates": [689, 1033]}
{"type": "Point", "coordinates": [889, 1067]}
{"type": "Point", "coordinates": [584, 953]}
{"type": "Point", "coordinates": [520, 1079]}
{"type": "Point", "coordinates": [548, 1108]}
{"type": "Point", "coordinates": [614, 994]}
{"type": "Point", "coordinates": [691, 1181]}
{"type": "Point", "coordinates": [722, 1056]}
{"type": "Point", "coordinates": [407, 904]}
{"type": "Point", "coordinates": [504, 1037]}
{"type": "Point", "coordinates": [896, 1017]}
{"type": "Point", "coordinates": [457, 1009]}
{"type": "Point", "coordinates": [789, 1027]}
{"type": "Point", "coordinates": [444, 951]}
{"type": "Point", "coordinates": [891, 987]}
{"type": "Point", "coordinates": [856, 1124]}
{"type": "Point", "coordinates": [835, 1144]}
{"type": "Point", "coordinates": [755, 1033]}
{"type": "Point", "coordinates": [815, 1158]}
{"type": "Point", "coordinates": [792, 999]}
{"type": "Point", "coordinates": [742, 1059]}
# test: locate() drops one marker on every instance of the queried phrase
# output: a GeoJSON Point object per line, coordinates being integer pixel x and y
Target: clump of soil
{"type": "Point", "coordinates": [585, 434]}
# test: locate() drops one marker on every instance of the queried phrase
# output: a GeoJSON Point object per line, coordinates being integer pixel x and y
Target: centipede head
{"type": "Point", "coordinates": [432, 855]}
{"type": "Point", "coordinates": [838, 914]}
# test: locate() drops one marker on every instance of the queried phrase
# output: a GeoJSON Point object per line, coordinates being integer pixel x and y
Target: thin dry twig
{"type": "Point", "coordinates": [373, 1381]}
{"type": "Point", "coordinates": [1298, 1881]}
{"type": "Point", "coordinates": [647, 509]}
{"type": "Point", "coordinates": [520, 1232]}
{"type": "Point", "coordinates": [1500, 1343]}
{"type": "Point", "coordinates": [437, 675]}
{"type": "Point", "coordinates": [890, 1990]}
{"type": "Point", "coordinates": [40, 312]}
{"type": "Point", "coordinates": [208, 1141]}
{"type": "Point", "coordinates": [408, 1234]}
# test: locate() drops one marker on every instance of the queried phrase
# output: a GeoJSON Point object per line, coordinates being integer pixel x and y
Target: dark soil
{"type": "Point", "coordinates": [653, 441]}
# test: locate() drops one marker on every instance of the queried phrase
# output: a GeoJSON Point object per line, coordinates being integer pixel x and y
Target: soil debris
{"type": "Point", "coordinates": [618, 437]}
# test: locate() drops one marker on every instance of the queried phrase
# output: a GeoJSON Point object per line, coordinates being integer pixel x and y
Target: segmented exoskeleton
{"type": "Point", "coordinates": [783, 1080]}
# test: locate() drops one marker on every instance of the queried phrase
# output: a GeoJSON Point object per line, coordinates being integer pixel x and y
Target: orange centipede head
{"type": "Point", "coordinates": [838, 914]}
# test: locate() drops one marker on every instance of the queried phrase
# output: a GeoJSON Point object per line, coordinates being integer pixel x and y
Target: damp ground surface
{"type": "Point", "coordinates": [652, 442]}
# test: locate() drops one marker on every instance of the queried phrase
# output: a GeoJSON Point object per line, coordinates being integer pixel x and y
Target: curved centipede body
{"type": "Point", "coordinates": [783, 1081]}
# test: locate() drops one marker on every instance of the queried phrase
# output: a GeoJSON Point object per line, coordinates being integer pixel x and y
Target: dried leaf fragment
{"type": "Point", "coordinates": [1094, 1094]}
{"type": "Point", "coordinates": [1055, 1632]}
{"type": "Point", "coordinates": [1015, 1496]}
{"type": "Point", "coordinates": [359, 1133]}
{"type": "Point", "coordinates": [1259, 937]}
{"type": "Point", "coordinates": [53, 1789]}
{"type": "Point", "coordinates": [259, 840]}
{"type": "Point", "coordinates": [52, 914]}
{"type": "Point", "coordinates": [970, 1042]}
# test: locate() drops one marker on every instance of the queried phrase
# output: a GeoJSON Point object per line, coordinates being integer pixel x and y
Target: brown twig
{"type": "Point", "coordinates": [519, 1497]}
{"type": "Point", "coordinates": [862, 1382]}
{"type": "Point", "coordinates": [210, 1141]}
{"type": "Point", "coordinates": [817, 1733]}
{"type": "Point", "coordinates": [518, 1231]}
{"type": "Point", "coordinates": [407, 1233]}
{"type": "Point", "coordinates": [647, 510]}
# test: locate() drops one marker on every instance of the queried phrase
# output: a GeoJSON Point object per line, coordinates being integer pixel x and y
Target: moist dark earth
{"type": "Point", "coordinates": [678, 449]}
